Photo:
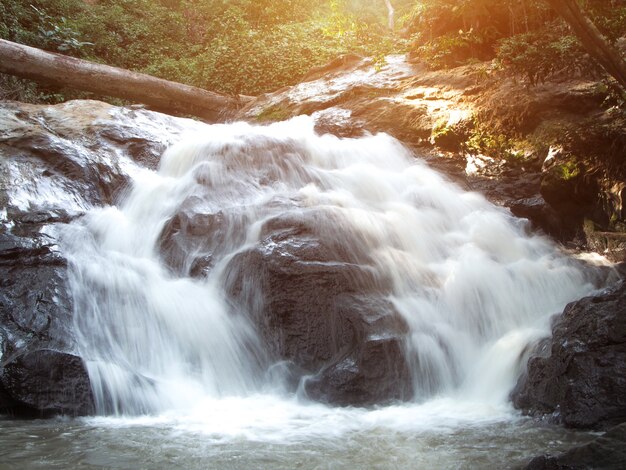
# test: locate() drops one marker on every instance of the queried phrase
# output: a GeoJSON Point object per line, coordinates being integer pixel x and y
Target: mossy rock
{"type": "Point", "coordinates": [568, 183]}
{"type": "Point", "coordinates": [272, 114]}
{"type": "Point", "coordinates": [451, 137]}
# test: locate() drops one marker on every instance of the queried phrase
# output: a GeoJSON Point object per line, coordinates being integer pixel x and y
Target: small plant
{"type": "Point", "coordinates": [450, 135]}
{"type": "Point", "coordinates": [494, 145]}
{"type": "Point", "coordinates": [568, 170]}
{"type": "Point", "coordinates": [61, 35]}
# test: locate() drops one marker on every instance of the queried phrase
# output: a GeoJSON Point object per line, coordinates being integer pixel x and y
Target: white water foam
{"type": "Point", "coordinates": [474, 287]}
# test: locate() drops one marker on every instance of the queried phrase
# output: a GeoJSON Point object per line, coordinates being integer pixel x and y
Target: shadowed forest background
{"type": "Point", "coordinates": [252, 47]}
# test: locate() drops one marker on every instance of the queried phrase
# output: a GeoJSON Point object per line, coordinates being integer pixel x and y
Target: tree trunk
{"type": "Point", "coordinates": [390, 13]}
{"type": "Point", "coordinates": [161, 95]}
{"type": "Point", "coordinates": [591, 38]}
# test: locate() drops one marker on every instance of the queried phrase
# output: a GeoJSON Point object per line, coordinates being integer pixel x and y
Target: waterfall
{"type": "Point", "coordinates": [473, 285]}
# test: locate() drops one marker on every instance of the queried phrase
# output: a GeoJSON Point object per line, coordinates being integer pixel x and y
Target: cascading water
{"type": "Point", "coordinates": [473, 286]}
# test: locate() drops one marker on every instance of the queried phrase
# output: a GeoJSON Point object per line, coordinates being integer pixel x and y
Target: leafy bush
{"type": "Point", "coordinates": [58, 33]}
{"type": "Point", "coordinates": [527, 36]}
{"type": "Point", "coordinates": [448, 33]}
{"type": "Point", "coordinates": [133, 34]}
{"type": "Point", "coordinates": [539, 54]}
{"type": "Point", "coordinates": [230, 46]}
{"type": "Point", "coordinates": [483, 141]}
{"type": "Point", "coordinates": [454, 49]}
{"type": "Point", "coordinates": [609, 16]}
{"type": "Point", "coordinates": [42, 24]}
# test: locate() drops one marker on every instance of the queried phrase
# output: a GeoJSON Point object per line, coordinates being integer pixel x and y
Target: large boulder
{"type": "Point", "coordinates": [579, 375]}
{"type": "Point", "coordinates": [320, 306]}
{"type": "Point", "coordinates": [56, 162]}
{"type": "Point", "coordinates": [191, 239]}
{"type": "Point", "coordinates": [46, 382]}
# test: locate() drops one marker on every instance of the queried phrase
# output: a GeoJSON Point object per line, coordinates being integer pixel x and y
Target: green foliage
{"type": "Point", "coordinates": [567, 170]}
{"type": "Point", "coordinates": [609, 16]}
{"type": "Point", "coordinates": [615, 100]}
{"type": "Point", "coordinates": [58, 33]}
{"type": "Point", "coordinates": [44, 24]}
{"type": "Point", "coordinates": [551, 49]}
{"type": "Point", "coordinates": [231, 46]}
{"type": "Point", "coordinates": [589, 227]}
{"type": "Point", "coordinates": [361, 31]}
{"type": "Point", "coordinates": [13, 88]}
{"type": "Point", "coordinates": [527, 37]}
{"type": "Point", "coordinates": [476, 137]}
{"type": "Point", "coordinates": [454, 49]}
{"type": "Point", "coordinates": [257, 46]}
{"type": "Point", "coordinates": [440, 128]}
{"type": "Point", "coordinates": [133, 34]}
{"type": "Point", "coordinates": [447, 33]}
{"type": "Point", "coordinates": [499, 146]}
{"type": "Point", "coordinates": [280, 58]}
{"type": "Point", "coordinates": [539, 54]}
{"type": "Point", "coordinates": [450, 136]}
{"type": "Point", "coordinates": [261, 14]}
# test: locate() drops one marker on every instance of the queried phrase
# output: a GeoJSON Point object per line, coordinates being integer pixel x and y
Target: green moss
{"type": "Point", "coordinates": [476, 137]}
{"type": "Point", "coordinates": [272, 114]}
{"type": "Point", "coordinates": [493, 144]}
{"type": "Point", "coordinates": [440, 128]}
{"type": "Point", "coordinates": [568, 170]}
{"type": "Point", "coordinates": [452, 137]}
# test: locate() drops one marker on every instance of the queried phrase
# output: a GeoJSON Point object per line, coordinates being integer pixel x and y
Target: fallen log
{"type": "Point", "coordinates": [160, 95]}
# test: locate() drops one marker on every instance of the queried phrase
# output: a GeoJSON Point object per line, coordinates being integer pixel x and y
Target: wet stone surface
{"type": "Point", "coordinates": [579, 375]}
{"type": "Point", "coordinates": [56, 162]}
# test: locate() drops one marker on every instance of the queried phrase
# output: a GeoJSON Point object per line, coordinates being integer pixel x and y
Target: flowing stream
{"type": "Point", "coordinates": [181, 376]}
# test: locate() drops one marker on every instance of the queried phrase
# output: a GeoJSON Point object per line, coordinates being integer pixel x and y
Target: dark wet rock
{"type": "Point", "coordinates": [582, 170]}
{"type": "Point", "coordinates": [606, 452]}
{"type": "Point", "coordinates": [6, 402]}
{"type": "Point", "coordinates": [373, 373]}
{"type": "Point", "coordinates": [35, 304]}
{"type": "Point", "coordinates": [56, 162]}
{"type": "Point", "coordinates": [193, 238]}
{"type": "Point", "coordinates": [519, 190]}
{"type": "Point", "coordinates": [188, 241]}
{"type": "Point", "coordinates": [612, 245]}
{"type": "Point", "coordinates": [47, 382]}
{"type": "Point", "coordinates": [452, 137]}
{"type": "Point", "coordinates": [578, 377]}
{"type": "Point", "coordinates": [339, 122]}
{"type": "Point", "coordinates": [542, 216]}
{"type": "Point", "coordinates": [573, 197]}
{"type": "Point", "coordinates": [80, 151]}
{"type": "Point", "coordinates": [321, 306]}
